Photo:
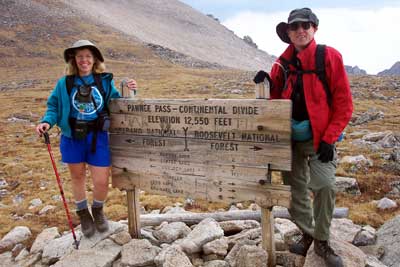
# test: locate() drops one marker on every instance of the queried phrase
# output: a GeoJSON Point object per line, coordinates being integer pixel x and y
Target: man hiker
{"type": "Point", "coordinates": [314, 78]}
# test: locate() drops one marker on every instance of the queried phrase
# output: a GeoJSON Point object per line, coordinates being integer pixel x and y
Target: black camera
{"type": "Point", "coordinates": [81, 129]}
{"type": "Point", "coordinates": [84, 94]}
{"type": "Point", "coordinates": [104, 121]}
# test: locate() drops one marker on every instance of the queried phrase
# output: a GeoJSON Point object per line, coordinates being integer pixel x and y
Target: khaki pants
{"type": "Point", "coordinates": [309, 173]}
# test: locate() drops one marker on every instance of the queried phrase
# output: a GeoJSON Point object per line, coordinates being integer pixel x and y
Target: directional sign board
{"type": "Point", "coordinates": [218, 150]}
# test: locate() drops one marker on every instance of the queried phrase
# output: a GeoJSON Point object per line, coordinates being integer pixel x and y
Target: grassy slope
{"type": "Point", "coordinates": [28, 79]}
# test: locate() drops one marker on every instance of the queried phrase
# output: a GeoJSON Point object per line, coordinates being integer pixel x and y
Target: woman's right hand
{"type": "Point", "coordinates": [41, 128]}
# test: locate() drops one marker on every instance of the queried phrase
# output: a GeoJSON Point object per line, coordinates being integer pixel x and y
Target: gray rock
{"type": "Point", "coordinates": [3, 184]}
{"type": "Point", "coordinates": [351, 255]}
{"type": "Point", "coordinates": [144, 253]}
{"type": "Point", "coordinates": [360, 159]}
{"type": "Point", "coordinates": [286, 228]}
{"type": "Point", "coordinates": [251, 256]}
{"type": "Point", "coordinates": [347, 185]}
{"type": "Point", "coordinates": [113, 228]}
{"type": "Point", "coordinates": [376, 136]}
{"type": "Point", "coordinates": [250, 234]}
{"type": "Point", "coordinates": [217, 246]}
{"type": "Point", "coordinates": [102, 255]}
{"type": "Point", "coordinates": [207, 230]}
{"type": "Point", "coordinates": [17, 235]}
{"type": "Point", "coordinates": [6, 259]}
{"type": "Point", "coordinates": [386, 203]}
{"type": "Point", "coordinates": [388, 236]}
{"type": "Point", "coordinates": [149, 236]}
{"type": "Point", "coordinates": [46, 209]}
{"type": "Point", "coordinates": [366, 236]}
{"type": "Point", "coordinates": [374, 262]}
{"type": "Point", "coordinates": [29, 260]}
{"type": "Point", "coordinates": [232, 255]}
{"type": "Point", "coordinates": [236, 226]}
{"type": "Point", "coordinates": [44, 238]}
{"type": "Point", "coordinates": [121, 238]}
{"type": "Point", "coordinates": [216, 263]}
{"type": "Point", "coordinates": [58, 247]}
{"type": "Point", "coordinates": [287, 259]}
{"type": "Point", "coordinates": [35, 203]}
{"type": "Point", "coordinates": [17, 249]}
{"type": "Point", "coordinates": [376, 251]}
{"type": "Point", "coordinates": [344, 229]}
{"type": "Point", "coordinates": [171, 232]}
{"type": "Point", "coordinates": [172, 256]}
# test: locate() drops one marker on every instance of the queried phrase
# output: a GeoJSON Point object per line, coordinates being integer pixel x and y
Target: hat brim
{"type": "Point", "coordinates": [281, 30]}
{"type": "Point", "coordinates": [70, 52]}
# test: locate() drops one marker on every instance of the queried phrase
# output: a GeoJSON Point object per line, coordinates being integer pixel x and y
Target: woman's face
{"type": "Point", "coordinates": [84, 61]}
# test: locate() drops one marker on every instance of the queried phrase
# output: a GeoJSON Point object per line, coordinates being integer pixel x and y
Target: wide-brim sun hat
{"type": "Point", "coordinates": [70, 51]}
{"type": "Point", "coordinates": [297, 15]}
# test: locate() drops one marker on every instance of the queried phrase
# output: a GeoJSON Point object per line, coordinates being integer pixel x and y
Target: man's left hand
{"type": "Point", "coordinates": [326, 152]}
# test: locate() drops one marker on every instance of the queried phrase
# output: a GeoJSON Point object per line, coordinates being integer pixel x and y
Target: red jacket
{"type": "Point", "coordinates": [327, 122]}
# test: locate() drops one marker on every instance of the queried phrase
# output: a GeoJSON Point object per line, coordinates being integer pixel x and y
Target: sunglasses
{"type": "Point", "coordinates": [296, 25]}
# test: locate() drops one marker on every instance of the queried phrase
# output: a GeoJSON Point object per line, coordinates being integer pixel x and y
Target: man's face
{"type": "Point", "coordinates": [301, 34]}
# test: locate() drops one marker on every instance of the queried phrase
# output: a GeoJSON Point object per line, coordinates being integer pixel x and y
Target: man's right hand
{"type": "Point", "coordinates": [42, 128]}
{"type": "Point", "coordinates": [260, 77]}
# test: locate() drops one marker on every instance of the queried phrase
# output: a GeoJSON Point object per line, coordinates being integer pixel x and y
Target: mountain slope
{"type": "Point", "coordinates": [394, 70]}
{"type": "Point", "coordinates": [179, 27]}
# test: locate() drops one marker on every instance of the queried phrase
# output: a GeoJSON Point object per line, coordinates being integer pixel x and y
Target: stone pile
{"type": "Point", "coordinates": [235, 243]}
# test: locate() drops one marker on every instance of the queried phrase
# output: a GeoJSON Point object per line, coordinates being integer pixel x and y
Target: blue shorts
{"type": "Point", "coordinates": [78, 151]}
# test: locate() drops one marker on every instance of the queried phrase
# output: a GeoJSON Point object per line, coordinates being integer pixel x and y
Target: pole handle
{"type": "Point", "coordinates": [46, 138]}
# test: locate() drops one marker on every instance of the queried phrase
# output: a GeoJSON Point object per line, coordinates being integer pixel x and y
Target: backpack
{"type": "Point", "coordinates": [319, 70]}
{"type": "Point", "coordinates": [97, 80]}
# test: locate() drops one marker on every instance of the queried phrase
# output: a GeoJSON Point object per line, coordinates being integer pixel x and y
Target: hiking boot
{"type": "Point", "coordinates": [99, 219]}
{"type": "Point", "coordinates": [323, 250]}
{"type": "Point", "coordinates": [87, 224]}
{"type": "Point", "coordinates": [301, 246]}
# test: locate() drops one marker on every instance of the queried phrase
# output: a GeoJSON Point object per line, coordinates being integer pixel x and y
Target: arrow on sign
{"type": "Point", "coordinates": [256, 148]}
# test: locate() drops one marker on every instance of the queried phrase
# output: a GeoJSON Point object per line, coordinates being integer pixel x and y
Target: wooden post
{"type": "Point", "coordinates": [133, 212]}
{"type": "Point", "coordinates": [268, 234]}
{"type": "Point", "coordinates": [267, 218]}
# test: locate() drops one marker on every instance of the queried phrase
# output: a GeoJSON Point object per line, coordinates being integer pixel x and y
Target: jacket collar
{"type": "Point", "coordinates": [306, 56]}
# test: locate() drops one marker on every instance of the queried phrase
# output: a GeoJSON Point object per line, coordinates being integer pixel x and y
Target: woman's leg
{"type": "Point", "coordinates": [78, 178]}
{"type": "Point", "coordinates": [100, 183]}
{"type": "Point", "coordinates": [100, 177]}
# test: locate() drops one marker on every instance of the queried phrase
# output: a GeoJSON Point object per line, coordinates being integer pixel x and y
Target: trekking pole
{"type": "Point", "coordinates": [47, 141]}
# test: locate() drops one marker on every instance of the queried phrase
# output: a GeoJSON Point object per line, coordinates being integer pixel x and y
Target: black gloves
{"type": "Point", "coordinates": [326, 152]}
{"type": "Point", "coordinates": [260, 77]}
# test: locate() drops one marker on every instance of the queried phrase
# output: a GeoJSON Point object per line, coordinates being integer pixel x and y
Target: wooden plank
{"type": "Point", "coordinates": [133, 212]}
{"type": "Point", "coordinates": [223, 188]}
{"type": "Point", "coordinates": [267, 232]}
{"type": "Point", "coordinates": [199, 150]}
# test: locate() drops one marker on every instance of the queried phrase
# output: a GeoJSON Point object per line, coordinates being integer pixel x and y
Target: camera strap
{"type": "Point", "coordinates": [94, 138]}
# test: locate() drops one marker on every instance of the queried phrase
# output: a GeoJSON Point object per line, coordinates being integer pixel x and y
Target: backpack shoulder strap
{"type": "Point", "coordinates": [69, 83]}
{"type": "Point", "coordinates": [320, 71]}
{"type": "Point", "coordinates": [98, 79]}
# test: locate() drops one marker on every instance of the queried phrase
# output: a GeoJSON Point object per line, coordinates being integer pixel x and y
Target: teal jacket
{"type": "Point", "coordinates": [59, 103]}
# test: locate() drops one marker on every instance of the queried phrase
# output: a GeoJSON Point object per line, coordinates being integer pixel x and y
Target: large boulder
{"type": "Point", "coordinates": [351, 255]}
{"type": "Point", "coordinates": [388, 236]}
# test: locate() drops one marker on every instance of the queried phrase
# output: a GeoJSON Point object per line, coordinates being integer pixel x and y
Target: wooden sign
{"type": "Point", "coordinates": [218, 150]}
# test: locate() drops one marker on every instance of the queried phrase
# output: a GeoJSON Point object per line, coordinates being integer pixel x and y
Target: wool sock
{"type": "Point", "coordinates": [97, 203]}
{"type": "Point", "coordinates": [81, 205]}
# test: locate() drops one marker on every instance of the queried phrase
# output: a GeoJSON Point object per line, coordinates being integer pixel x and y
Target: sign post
{"type": "Point", "coordinates": [218, 150]}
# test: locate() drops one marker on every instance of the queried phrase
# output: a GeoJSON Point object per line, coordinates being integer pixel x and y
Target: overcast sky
{"type": "Point", "coordinates": [367, 33]}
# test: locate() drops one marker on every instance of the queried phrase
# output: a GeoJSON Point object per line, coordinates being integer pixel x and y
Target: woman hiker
{"type": "Point", "coordinates": [79, 106]}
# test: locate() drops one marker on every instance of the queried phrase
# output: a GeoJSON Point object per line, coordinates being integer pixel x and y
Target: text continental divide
{"type": "Point", "coordinates": [191, 109]}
